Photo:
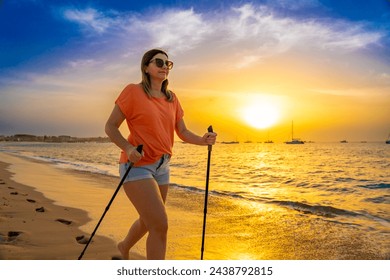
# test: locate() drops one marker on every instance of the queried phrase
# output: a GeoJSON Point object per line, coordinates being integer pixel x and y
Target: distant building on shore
{"type": "Point", "coordinates": [52, 139]}
{"type": "Point", "coordinates": [26, 138]}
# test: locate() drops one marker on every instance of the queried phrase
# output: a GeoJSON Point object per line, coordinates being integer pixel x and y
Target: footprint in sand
{"type": "Point", "coordinates": [41, 209]}
{"type": "Point", "coordinates": [63, 221]}
{"type": "Point", "coordinates": [31, 200]}
{"type": "Point", "coordinates": [2, 182]}
{"type": "Point", "coordinates": [82, 239]}
{"type": "Point", "coordinates": [12, 235]}
{"type": "Point", "coordinates": [16, 193]}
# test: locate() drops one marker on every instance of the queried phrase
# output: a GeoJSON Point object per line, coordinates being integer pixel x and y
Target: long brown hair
{"type": "Point", "coordinates": [146, 84]}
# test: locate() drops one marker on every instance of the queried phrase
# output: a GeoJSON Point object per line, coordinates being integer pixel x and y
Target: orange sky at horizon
{"type": "Point", "coordinates": [326, 102]}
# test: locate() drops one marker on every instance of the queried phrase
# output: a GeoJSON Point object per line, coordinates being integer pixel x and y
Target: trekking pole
{"type": "Point", "coordinates": [209, 129]}
{"type": "Point", "coordinates": [139, 149]}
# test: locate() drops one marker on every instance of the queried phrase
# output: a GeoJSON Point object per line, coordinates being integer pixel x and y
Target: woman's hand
{"type": "Point", "coordinates": [209, 138]}
{"type": "Point", "coordinates": [133, 155]}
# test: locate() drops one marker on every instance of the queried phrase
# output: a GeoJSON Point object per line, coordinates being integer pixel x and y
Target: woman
{"type": "Point", "coordinates": [153, 113]}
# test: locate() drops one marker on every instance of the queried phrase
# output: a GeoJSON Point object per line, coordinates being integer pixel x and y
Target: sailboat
{"type": "Point", "coordinates": [294, 140]}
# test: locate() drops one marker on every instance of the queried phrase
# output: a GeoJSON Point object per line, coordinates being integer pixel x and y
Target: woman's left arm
{"type": "Point", "coordinates": [188, 136]}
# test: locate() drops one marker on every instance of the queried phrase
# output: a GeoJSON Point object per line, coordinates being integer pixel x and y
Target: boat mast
{"type": "Point", "coordinates": [292, 130]}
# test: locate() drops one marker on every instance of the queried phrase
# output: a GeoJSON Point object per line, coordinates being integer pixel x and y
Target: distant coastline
{"type": "Point", "coordinates": [99, 139]}
{"type": "Point", "coordinates": [52, 139]}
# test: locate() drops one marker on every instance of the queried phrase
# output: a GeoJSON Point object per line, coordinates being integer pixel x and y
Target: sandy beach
{"type": "Point", "coordinates": [34, 227]}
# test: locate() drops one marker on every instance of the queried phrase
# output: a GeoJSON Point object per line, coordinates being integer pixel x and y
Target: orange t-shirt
{"type": "Point", "coordinates": [151, 121]}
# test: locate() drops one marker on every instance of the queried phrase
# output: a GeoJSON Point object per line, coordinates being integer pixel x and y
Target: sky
{"type": "Point", "coordinates": [249, 68]}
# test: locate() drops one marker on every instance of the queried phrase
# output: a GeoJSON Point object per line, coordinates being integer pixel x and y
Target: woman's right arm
{"type": "Point", "coordinates": [112, 130]}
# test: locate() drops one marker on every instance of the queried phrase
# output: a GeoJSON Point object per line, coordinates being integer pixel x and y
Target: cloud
{"type": "Point", "coordinates": [83, 63]}
{"type": "Point", "coordinates": [274, 34]}
{"type": "Point", "coordinates": [257, 30]}
{"type": "Point", "coordinates": [179, 30]}
{"type": "Point", "coordinates": [90, 19]}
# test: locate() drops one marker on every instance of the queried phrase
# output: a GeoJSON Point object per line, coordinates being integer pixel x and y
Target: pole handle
{"type": "Point", "coordinates": [139, 149]}
{"type": "Point", "coordinates": [210, 129]}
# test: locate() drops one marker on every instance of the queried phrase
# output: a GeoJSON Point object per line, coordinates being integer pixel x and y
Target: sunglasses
{"type": "Point", "coordinates": [160, 63]}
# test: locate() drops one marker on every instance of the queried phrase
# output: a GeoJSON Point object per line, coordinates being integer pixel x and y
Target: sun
{"type": "Point", "coordinates": [261, 114]}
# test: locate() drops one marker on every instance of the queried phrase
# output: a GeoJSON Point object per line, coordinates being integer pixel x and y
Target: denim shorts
{"type": "Point", "coordinates": [158, 171]}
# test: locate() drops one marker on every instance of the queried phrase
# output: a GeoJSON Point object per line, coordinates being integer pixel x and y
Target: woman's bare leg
{"type": "Point", "coordinates": [136, 232]}
{"type": "Point", "coordinates": [149, 199]}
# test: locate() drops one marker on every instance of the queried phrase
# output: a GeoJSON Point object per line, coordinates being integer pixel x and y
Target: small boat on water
{"type": "Point", "coordinates": [294, 140]}
{"type": "Point", "coordinates": [230, 142]}
{"type": "Point", "coordinates": [388, 139]}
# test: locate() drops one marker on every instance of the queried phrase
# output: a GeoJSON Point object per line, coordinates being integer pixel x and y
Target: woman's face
{"type": "Point", "coordinates": [157, 71]}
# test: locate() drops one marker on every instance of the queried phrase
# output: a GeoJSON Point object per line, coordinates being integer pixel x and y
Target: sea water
{"type": "Point", "coordinates": [276, 201]}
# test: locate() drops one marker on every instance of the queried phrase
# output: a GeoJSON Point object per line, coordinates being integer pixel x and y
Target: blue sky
{"type": "Point", "coordinates": [35, 28]}
{"type": "Point", "coordinates": [78, 55]}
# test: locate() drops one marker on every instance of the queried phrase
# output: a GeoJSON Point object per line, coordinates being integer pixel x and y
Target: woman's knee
{"type": "Point", "coordinates": [159, 225]}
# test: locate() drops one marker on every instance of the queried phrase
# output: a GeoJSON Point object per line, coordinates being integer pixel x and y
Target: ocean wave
{"type": "Point", "coordinates": [376, 186]}
{"type": "Point", "coordinates": [344, 179]}
{"type": "Point", "coordinates": [380, 199]}
{"type": "Point", "coordinates": [93, 168]}
{"type": "Point", "coordinates": [187, 188]}
{"type": "Point", "coordinates": [319, 210]}
{"type": "Point", "coordinates": [79, 166]}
